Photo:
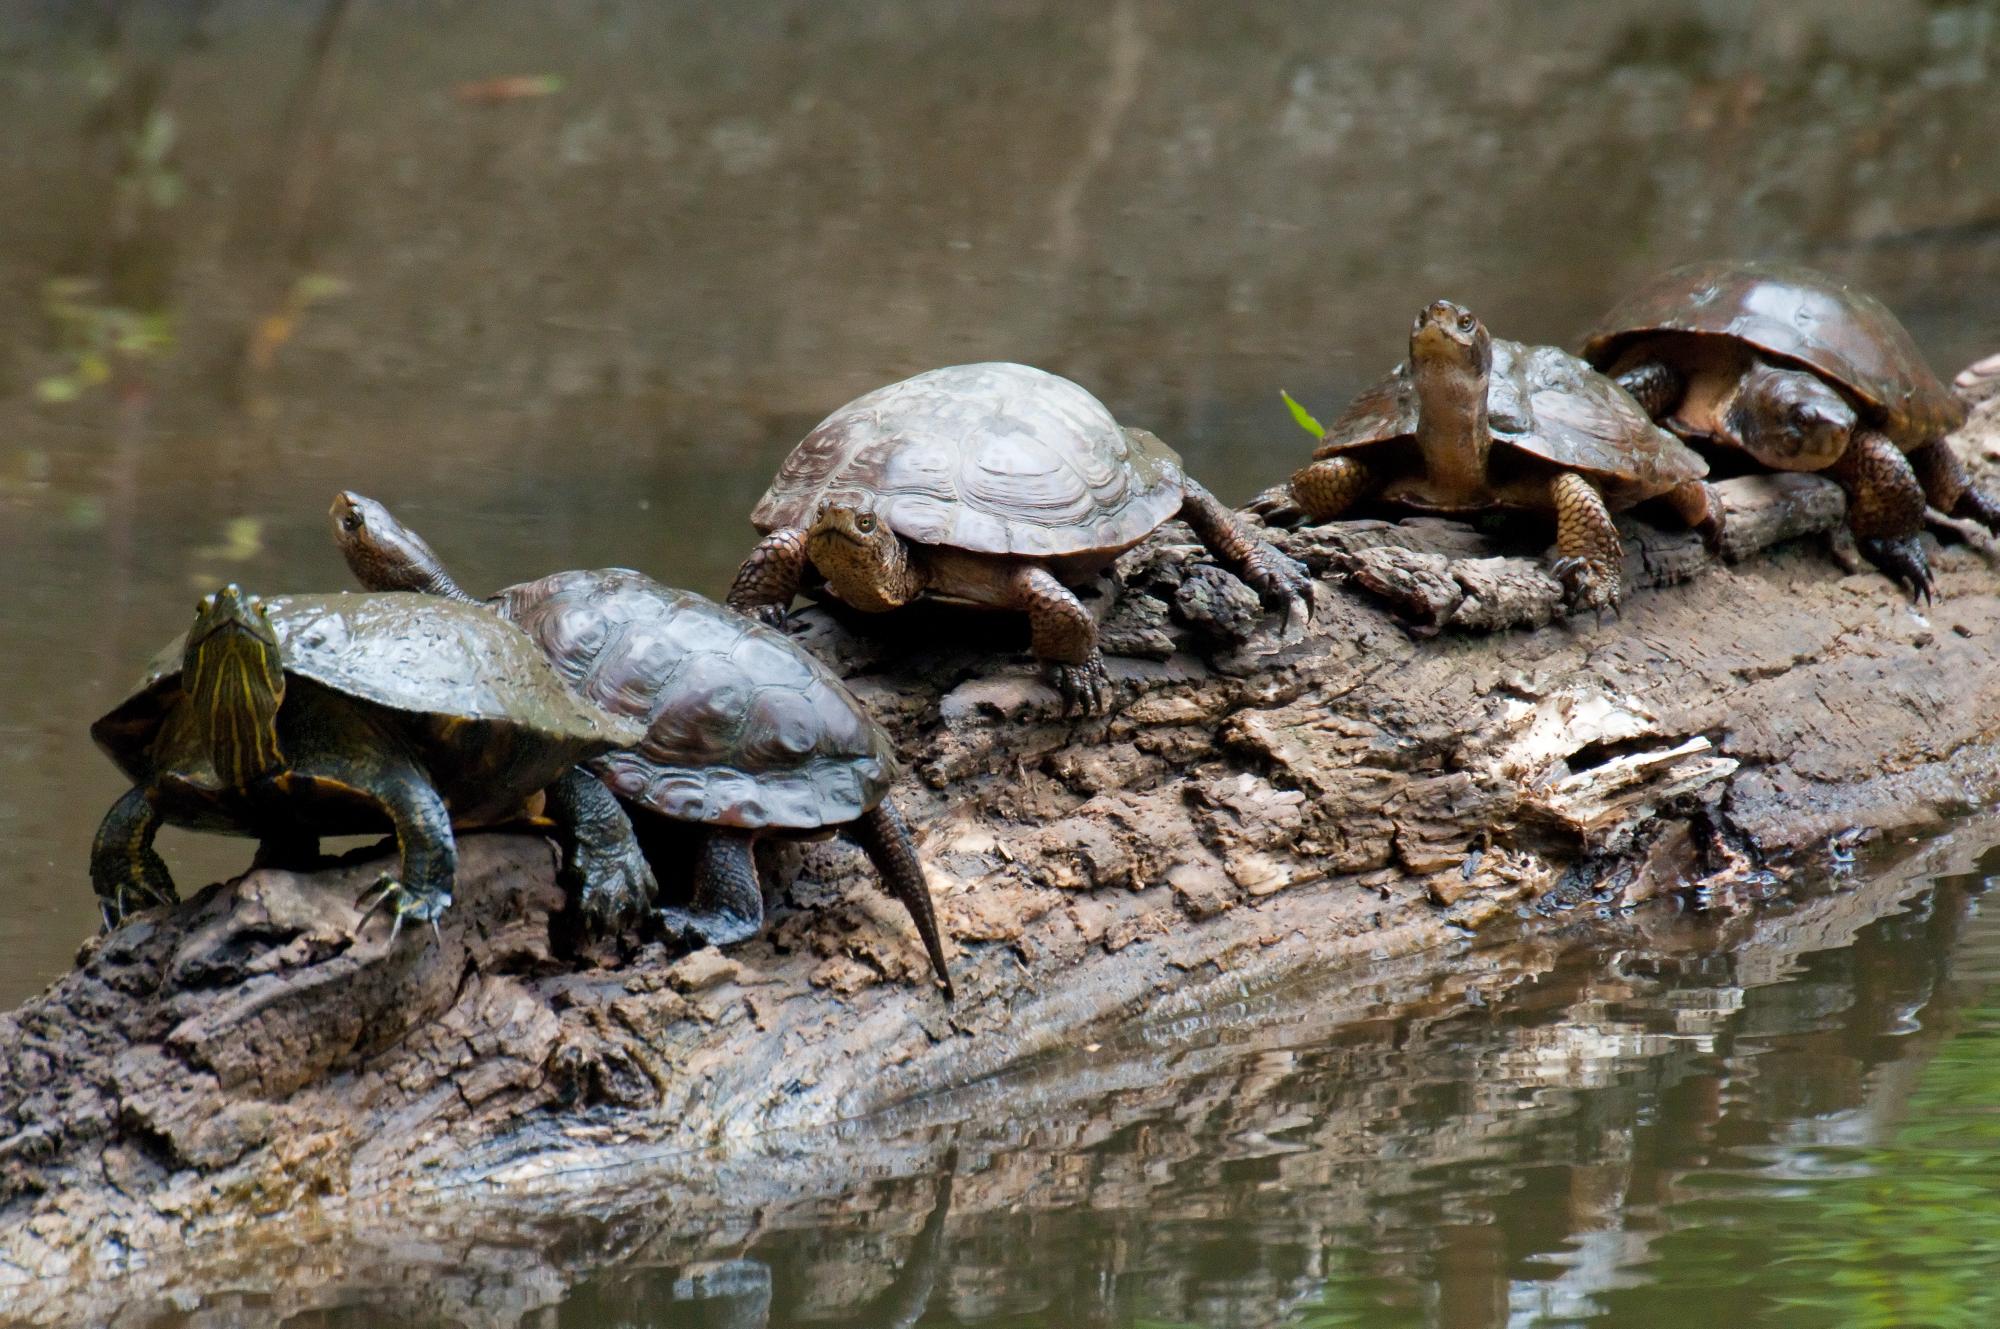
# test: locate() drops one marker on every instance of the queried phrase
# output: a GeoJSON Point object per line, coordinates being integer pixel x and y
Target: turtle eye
{"type": "Point", "coordinates": [1465, 321]}
{"type": "Point", "coordinates": [865, 524]}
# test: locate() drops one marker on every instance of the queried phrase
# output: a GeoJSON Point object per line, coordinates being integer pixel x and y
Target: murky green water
{"type": "Point", "coordinates": [252, 253]}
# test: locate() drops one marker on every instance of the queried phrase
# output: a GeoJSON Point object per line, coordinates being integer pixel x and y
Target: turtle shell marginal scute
{"type": "Point", "coordinates": [990, 458]}
{"type": "Point", "coordinates": [744, 728]}
{"type": "Point", "coordinates": [1798, 314]}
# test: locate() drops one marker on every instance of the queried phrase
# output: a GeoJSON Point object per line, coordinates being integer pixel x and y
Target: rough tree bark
{"type": "Point", "coordinates": [1255, 809]}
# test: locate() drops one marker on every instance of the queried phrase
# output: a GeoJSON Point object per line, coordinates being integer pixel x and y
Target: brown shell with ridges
{"type": "Point", "coordinates": [744, 727]}
{"type": "Point", "coordinates": [992, 458]}
{"type": "Point", "coordinates": [417, 654]}
{"type": "Point", "coordinates": [1547, 403]}
{"type": "Point", "coordinates": [1793, 313]}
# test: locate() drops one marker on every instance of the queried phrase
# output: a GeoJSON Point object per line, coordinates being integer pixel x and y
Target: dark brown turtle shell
{"type": "Point", "coordinates": [1547, 403]}
{"type": "Point", "coordinates": [992, 458]}
{"type": "Point", "coordinates": [1793, 313]}
{"type": "Point", "coordinates": [459, 672]}
{"type": "Point", "coordinates": [744, 727]}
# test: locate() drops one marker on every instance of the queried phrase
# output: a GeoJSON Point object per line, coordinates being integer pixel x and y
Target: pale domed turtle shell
{"type": "Point", "coordinates": [744, 727]}
{"type": "Point", "coordinates": [992, 458]}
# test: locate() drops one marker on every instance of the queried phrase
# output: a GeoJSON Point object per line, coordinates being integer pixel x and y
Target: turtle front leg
{"type": "Point", "coordinates": [1063, 637]}
{"type": "Point", "coordinates": [1330, 486]}
{"type": "Point", "coordinates": [728, 901]}
{"type": "Point", "coordinates": [771, 576]}
{"type": "Point", "coordinates": [1655, 386]}
{"type": "Point", "coordinates": [427, 851]}
{"type": "Point", "coordinates": [1275, 578]}
{"type": "Point", "coordinates": [125, 871]}
{"type": "Point", "coordinates": [609, 881]}
{"type": "Point", "coordinates": [1589, 558]}
{"type": "Point", "coordinates": [885, 838]}
{"type": "Point", "coordinates": [1885, 508]}
{"type": "Point", "coordinates": [1949, 489]}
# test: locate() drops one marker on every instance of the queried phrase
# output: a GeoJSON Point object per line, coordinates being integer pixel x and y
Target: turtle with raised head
{"type": "Point", "coordinates": [307, 715]}
{"type": "Point", "coordinates": [1473, 423]}
{"type": "Point", "coordinates": [988, 484]}
{"type": "Point", "coordinates": [746, 734]}
{"type": "Point", "coordinates": [1802, 372]}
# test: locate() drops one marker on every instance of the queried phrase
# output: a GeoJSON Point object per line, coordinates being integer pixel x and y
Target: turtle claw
{"type": "Point", "coordinates": [1085, 688]}
{"type": "Point", "coordinates": [401, 902]}
{"type": "Point", "coordinates": [1281, 580]}
{"type": "Point", "coordinates": [772, 616]}
{"type": "Point", "coordinates": [1901, 558]}
{"type": "Point", "coordinates": [1587, 584]}
{"type": "Point", "coordinates": [615, 887]}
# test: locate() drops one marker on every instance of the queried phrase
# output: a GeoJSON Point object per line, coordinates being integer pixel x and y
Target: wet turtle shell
{"type": "Point", "coordinates": [744, 728]}
{"type": "Point", "coordinates": [458, 672]}
{"type": "Point", "coordinates": [991, 458]}
{"type": "Point", "coordinates": [1795, 314]}
{"type": "Point", "coordinates": [1546, 403]}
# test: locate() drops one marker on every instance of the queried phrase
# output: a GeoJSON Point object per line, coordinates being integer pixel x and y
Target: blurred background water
{"type": "Point", "coordinates": [562, 283]}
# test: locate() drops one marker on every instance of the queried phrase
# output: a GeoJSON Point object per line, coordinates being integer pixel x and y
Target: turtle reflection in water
{"type": "Point", "coordinates": [1803, 373]}
{"type": "Point", "coordinates": [1470, 423]}
{"type": "Point", "coordinates": [746, 734]}
{"type": "Point", "coordinates": [304, 716]}
{"type": "Point", "coordinates": [988, 484]}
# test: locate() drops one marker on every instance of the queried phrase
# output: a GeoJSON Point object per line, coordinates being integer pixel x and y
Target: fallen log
{"type": "Point", "coordinates": [1256, 808]}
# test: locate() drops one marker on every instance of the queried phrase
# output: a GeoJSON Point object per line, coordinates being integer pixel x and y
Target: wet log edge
{"type": "Point", "coordinates": [1383, 784]}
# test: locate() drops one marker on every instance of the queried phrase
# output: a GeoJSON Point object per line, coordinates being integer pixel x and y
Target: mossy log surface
{"type": "Point", "coordinates": [1375, 789]}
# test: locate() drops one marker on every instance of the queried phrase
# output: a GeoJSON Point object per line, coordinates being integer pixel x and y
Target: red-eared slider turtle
{"type": "Point", "coordinates": [1804, 373]}
{"type": "Point", "coordinates": [301, 716]}
{"type": "Point", "coordinates": [987, 484]}
{"type": "Point", "coordinates": [746, 732]}
{"type": "Point", "coordinates": [1470, 423]}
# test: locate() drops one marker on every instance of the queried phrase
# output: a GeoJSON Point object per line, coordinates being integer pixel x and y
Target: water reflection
{"type": "Point", "coordinates": [1609, 1123]}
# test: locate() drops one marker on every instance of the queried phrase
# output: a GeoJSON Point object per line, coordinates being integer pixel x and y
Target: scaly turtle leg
{"type": "Point", "coordinates": [1276, 578]}
{"type": "Point", "coordinates": [1696, 504]}
{"type": "Point", "coordinates": [608, 877]}
{"type": "Point", "coordinates": [1589, 556]}
{"type": "Point", "coordinates": [728, 902]}
{"type": "Point", "coordinates": [881, 833]}
{"type": "Point", "coordinates": [126, 872]}
{"type": "Point", "coordinates": [1885, 508]}
{"type": "Point", "coordinates": [1064, 638]}
{"type": "Point", "coordinates": [1656, 387]}
{"type": "Point", "coordinates": [1949, 489]}
{"type": "Point", "coordinates": [770, 577]}
{"type": "Point", "coordinates": [427, 852]}
{"type": "Point", "coordinates": [1330, 486]}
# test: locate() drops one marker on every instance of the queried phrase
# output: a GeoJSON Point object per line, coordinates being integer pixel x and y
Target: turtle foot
{"type": "Point", "coordinates": [1588, 584]}
{"type": "Point", "coordinates": [1085, 688]}
{"type": "Point", "coordinates": [717, 928]}
{"type": "Point", "coordinates": [1901, 558]}
{"type": "Point", "coordinates": [401, 902]}
{"type": "Point", "coordinates": [1281, 580]}
{"type": "Point", "coordinates": [145, 888]}
{"type": "Point", "coordinates": [771, 616]}
{"type": "Point", "coordinates": [615, 887]}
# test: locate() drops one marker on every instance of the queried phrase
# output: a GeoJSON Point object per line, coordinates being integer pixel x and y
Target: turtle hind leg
{"type": "Point", "coordinates": [127, 873]}
{"type": "Point", "coordinates": [609, 881]}
{"type": "Point", "coordinates": [1063, 637]}
{"type": "Point", "coordinates": [1949, 489]}
{"type": "Point", "coordinates": [728, 901]}
{"type": "Point", "coordinates": [1885, 508]}
{"type": "Point", "coordinates": [1657, 387]}
{"type": "Point", "coordinates": [1328, 487]}
{"type": "Point", "coordinates": [1589, 557]}
{"type": "Point", "coordinates": [1277, 579]}
{"type": "Point", "coordinates": [885, 838]}
{"type": "Point", "coordinates": [770, 576]}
